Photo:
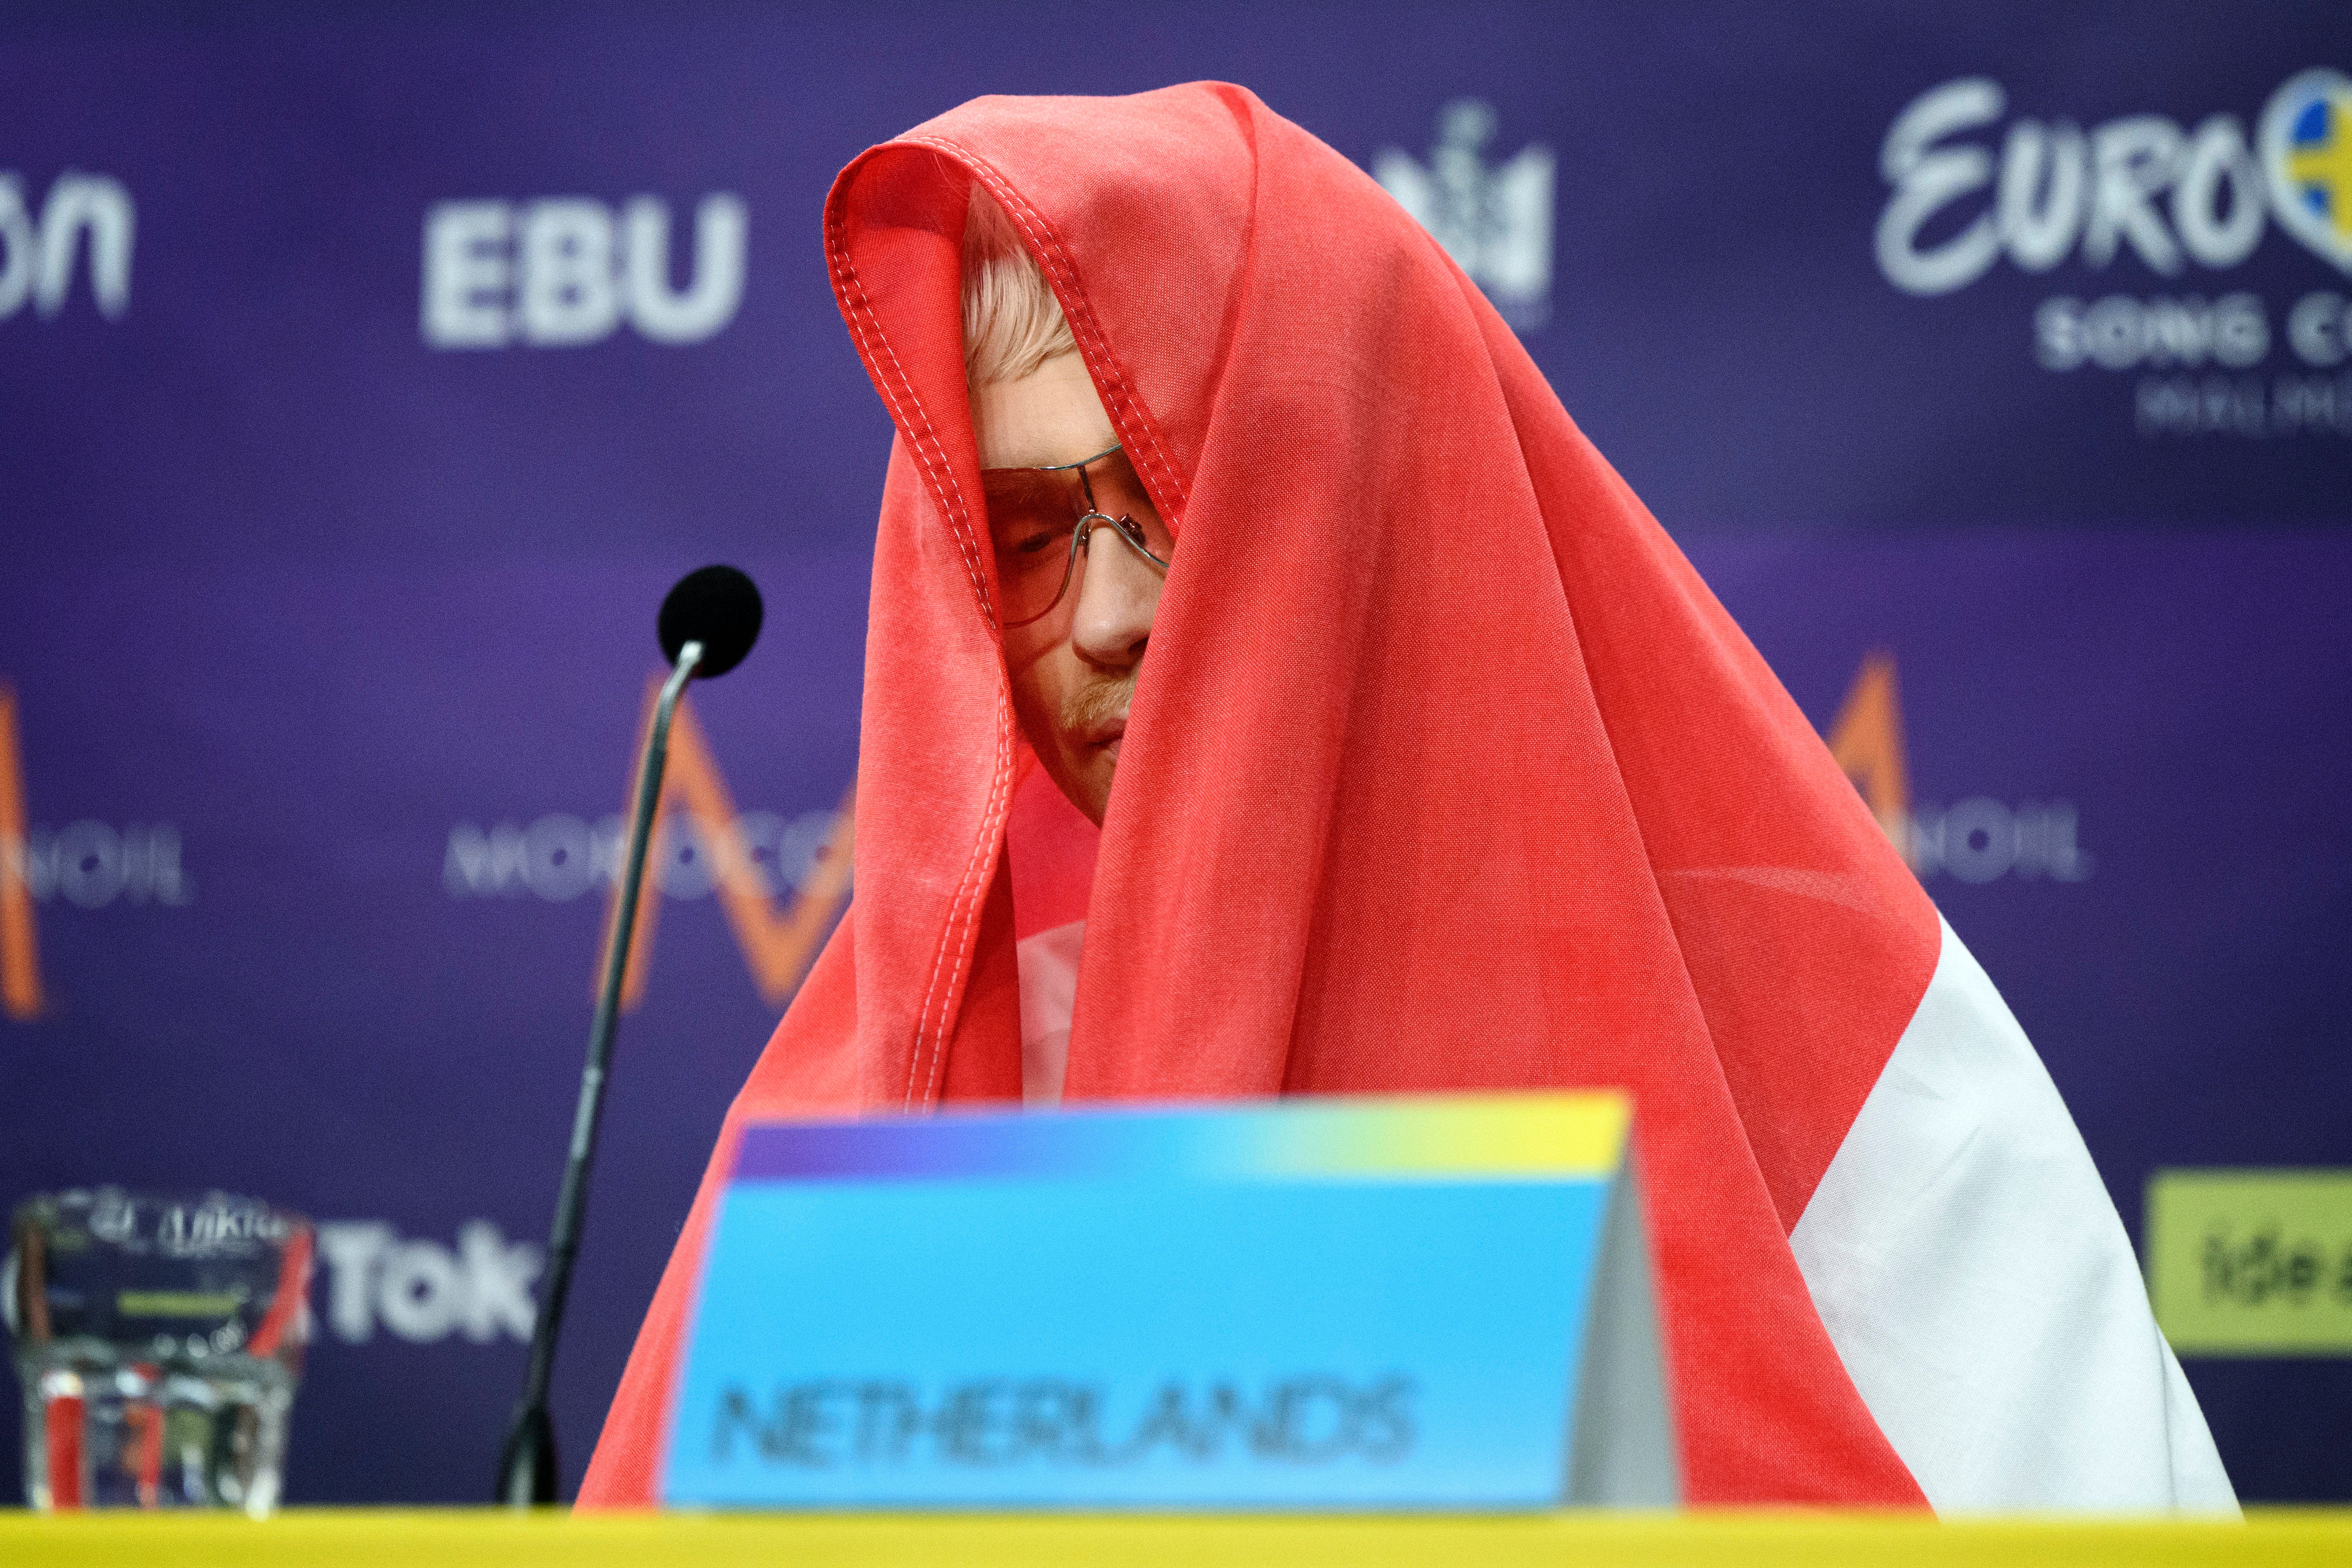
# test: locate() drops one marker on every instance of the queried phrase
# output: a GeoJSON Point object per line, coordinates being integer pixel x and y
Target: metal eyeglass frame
{"type": "Point", "coordinates": [1127, 528]}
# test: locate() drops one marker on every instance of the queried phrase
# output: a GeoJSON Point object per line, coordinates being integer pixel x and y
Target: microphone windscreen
{"type": "Point", "coordinates": [718, 608]}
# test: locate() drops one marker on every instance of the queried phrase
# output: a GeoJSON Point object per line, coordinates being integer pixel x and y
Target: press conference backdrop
{"type": "Point", "coordinates": [369, 370]}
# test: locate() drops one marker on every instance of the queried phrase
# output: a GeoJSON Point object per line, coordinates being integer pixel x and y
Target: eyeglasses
{"type": "Point", "coordinates": [1030, 512]}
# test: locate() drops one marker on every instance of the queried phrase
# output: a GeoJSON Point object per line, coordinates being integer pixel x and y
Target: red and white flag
{"type": "Point", "coordinates": [1444, 770]}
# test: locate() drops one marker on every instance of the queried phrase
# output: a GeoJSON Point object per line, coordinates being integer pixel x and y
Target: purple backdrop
{"type": "Point", "coordinates": [350, 432]}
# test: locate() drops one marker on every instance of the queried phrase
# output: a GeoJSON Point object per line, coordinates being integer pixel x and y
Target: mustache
{"type": "Point", "coordinates": [1097, 702]}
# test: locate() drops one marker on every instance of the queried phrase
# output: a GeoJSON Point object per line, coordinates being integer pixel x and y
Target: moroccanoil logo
{"type": "Point", "coordinates": [778, 944]}
{"type": "Point", "coordinates": [781, 882]}
{"type": "Point", "coordinates": [20, 958]}
{"type": "Point", "coordinates": [86, 864]}
{"type": "Point", "coordinates": [1977, 840]}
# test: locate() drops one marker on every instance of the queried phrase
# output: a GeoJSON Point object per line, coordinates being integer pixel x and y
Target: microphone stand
{"type": "Point", "coordinates": [527, 1465]}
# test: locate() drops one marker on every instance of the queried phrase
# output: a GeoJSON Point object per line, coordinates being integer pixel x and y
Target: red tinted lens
{"type": "Point", "coordinates": [1033, 514]}
{"type": "Point", "coordinates": [1031, 517]}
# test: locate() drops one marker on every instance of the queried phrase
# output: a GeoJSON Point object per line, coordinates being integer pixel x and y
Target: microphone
{"type": "Point", "coordinates": [709, 622]}
{"type": "Point", "coordinates": [718, 608]}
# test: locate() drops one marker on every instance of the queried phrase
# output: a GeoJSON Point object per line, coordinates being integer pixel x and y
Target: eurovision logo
{"type": "Point", "coordinates": [2177, 199]}
{"type": "Point", "coordinates": [2141, 184]}
{"type": "Point", "coordinates": [2308, 156]}
{"type": "Point", "coordinates": [82, 214]}
{"type": "Point", "coordinates": [1494, 219]}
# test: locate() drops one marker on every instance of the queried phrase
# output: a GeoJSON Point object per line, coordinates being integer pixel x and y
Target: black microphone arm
{"type": "Point", "coordinates": [708, 624]}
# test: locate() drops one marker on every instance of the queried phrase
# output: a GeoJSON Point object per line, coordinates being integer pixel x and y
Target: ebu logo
{"type": "Point", "coordinates": [570, 270]}
{"type": "Point", "coordinates": [1310, 1419]}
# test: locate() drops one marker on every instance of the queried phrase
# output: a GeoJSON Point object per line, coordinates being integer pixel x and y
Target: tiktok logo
{"type": "Point", "coordinates": [422, 1291]}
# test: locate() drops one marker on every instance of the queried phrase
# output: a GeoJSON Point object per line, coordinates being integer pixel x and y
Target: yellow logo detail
{"type": "Point", "coordinates": [20, 964]}
{"type": "Point", "coordinates": [778, 945]}
{"type": "Point", "coordinates": [2326, 168]}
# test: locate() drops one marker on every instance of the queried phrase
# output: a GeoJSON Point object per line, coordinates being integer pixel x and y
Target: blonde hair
{"type": "Point", "coordinates": [1012, 322]}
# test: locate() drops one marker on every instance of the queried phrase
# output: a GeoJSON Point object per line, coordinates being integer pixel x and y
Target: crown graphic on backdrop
{"type": "Point", "coordinates": [1494, 220]}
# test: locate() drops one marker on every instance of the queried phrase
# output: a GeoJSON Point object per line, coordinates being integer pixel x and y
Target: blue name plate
{"type": "Point", "coordinates": [1301, 1304]}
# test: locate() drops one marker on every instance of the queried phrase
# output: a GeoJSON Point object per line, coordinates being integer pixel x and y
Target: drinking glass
{"type": "Point", "coordinates": [159, 1341]}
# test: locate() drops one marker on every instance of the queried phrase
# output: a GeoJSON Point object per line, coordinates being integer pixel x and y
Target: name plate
{"type": "Point", "coordinates": [1426, 1301]}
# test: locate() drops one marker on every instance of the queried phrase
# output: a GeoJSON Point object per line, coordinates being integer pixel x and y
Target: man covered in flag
{"type": "Point", "coordinates": [1269, 691]}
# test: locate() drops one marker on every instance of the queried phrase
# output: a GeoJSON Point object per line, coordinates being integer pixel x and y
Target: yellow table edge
{"type": "Point", "coordinates": [358, 1538]}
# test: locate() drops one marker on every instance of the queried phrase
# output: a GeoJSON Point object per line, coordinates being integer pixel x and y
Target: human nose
{"type": "Point", "coordinates": [1118, 595]}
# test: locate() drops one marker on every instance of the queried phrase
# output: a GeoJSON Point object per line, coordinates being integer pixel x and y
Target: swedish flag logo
{"type": "Point", "coordinates": [2308, 157]}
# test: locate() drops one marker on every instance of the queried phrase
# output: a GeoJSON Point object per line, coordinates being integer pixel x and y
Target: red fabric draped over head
{"type": "Point", "coordinates": [1443, 769]}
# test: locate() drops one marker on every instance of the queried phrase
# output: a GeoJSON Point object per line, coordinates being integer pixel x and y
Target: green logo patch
{"type": "Point", "coordinates": [2252, 1262]}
